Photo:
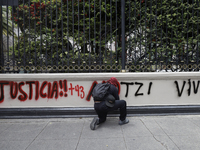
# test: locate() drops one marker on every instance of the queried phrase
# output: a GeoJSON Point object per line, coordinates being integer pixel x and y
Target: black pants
{"type": "Point", "coordinates": [102, 110]}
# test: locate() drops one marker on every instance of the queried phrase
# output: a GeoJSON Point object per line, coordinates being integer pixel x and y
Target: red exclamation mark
{"type": "Point", "coordinates": [65, 87]}
{"type": "Point", "coordinates": [61, 86]}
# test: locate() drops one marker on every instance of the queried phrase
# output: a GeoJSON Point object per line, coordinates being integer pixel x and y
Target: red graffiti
{"type": "Point", "coordinates": [78, 89]}
{"type": "Point", "coordinates": [36, 90]}
{"type": "Point", "coordinates": [13, 87]}
{"type": "Point", "coordinates": [54, 90]}
{"type": "Point", "coordinates": [71, 88]}
{"type": "Point", "coordinates": [65, 88]}
{"type": "Point", "coordinates": [22, 97]}
{"type": "Point", "coordinates": [61, 86]}
{"type": "Point", "coordinates": [82, 95]}
{"type": "Point", "coordinates": [30, 88]}
{"type": "Point", "coordinates": [2, 84]}
{"type": "Point", "coordinates": [42, 94]}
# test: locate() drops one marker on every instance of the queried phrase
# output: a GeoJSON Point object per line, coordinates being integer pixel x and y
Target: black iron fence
{"type": "Point", "coordinates": [99, 36]}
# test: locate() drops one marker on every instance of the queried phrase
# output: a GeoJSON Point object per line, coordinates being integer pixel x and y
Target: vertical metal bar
{"type": "Point", "coordinates": [78, 35]}
{"type": "Point", "coordinates": [18, 58]}
{"type": "Point", "coordinates": [41, 57]}
{"type": "Point", "coordinates": [105, 56]}
{"type": "Point", "coordinates": [166, 51]}
{"type": "Point", "coordinates": [182, 46]}
{"type": "Point", "coordinates": [68, 34]}
{"type": "Point", "coordinates": [35, 38]}
{"type": "Point", "coordinates": [161, 57]}
{"type": "Point", "coordinates": [62, 30]}
{"type": "Point", "coordinates": [171, 41]}
{"type": "Point", "coordinates": [24, 36]}
{"type": "Point", "coordinates": [197, 51]}
{"type": "Point", "coordinates": [7, 38]}
{"type": "Point", "coordinates": [146, 32]}
{"type": "Point", "coordinates": [187, 33]}
{"type": "Point", "coordinates": [29, 57]}
{"type": "Point", "coordinates": [123, 34]}
{"type": "Point", "coordinates": [1, 42]}
{"type": "Point", "coordinates": [141, 34]}
{"type": "Point", "coordinates": [57, 34]}
{"type": "Point", "coordinates": [177, 46]}
{"type": "Point", "coordinates": [13, 58]}
{"type": "Point", "coordinates": [129, 34]}
{"type": "Point", "coordinates": [150, 46]}
{"type": "Point", "coordinates": [94, 29]}
{"type": "Point", "coordinates": [156, 58]}
{"type": "Point", "coordinates": [116, 43]}
{"type": "Point", "coordinates": [51, 34]}
{"type": "Point", "coordinates": [135, 35]}
{"type": "Point", "coordinates": [192, 58]}
{"type": "Point", "coordinates": [100, 35]}
{"type": "Point", "coordinates": [46, 57]}
{"type": "Point", "coordinates": [150, 31]}
{"type": "Point", "coordinates": [84, 25]}
{"type": "Point", "coordinates": [89, 35]}
{"type": "Point", "coordinates": [73, 29]}
{"type": "Point", "coordinates": [111, 52]}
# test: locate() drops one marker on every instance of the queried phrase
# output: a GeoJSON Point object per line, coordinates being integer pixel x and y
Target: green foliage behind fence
{"type": "Point", "coordinates": [72, 33]}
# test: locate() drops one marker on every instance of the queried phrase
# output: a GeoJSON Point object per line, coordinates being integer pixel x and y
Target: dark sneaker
{"type": "Point", "coordinates": [94, 123]}
{"type": "Point", "coordinates": [123, 122]}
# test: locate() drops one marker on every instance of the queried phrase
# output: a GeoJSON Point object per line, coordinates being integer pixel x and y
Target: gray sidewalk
{"type": "Point", "coordinates": [181, 132]}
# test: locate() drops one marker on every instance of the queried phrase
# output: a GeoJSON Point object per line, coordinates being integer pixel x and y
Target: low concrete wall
{"type": "Point", "coordinates": [74, 90]}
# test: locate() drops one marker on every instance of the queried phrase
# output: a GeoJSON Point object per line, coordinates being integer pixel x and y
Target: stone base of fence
{"type": "Point", "coordinates": [31, 113]}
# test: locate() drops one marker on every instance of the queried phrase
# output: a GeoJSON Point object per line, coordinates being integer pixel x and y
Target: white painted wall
{"type": "Point", "coordinates": [163, 90]}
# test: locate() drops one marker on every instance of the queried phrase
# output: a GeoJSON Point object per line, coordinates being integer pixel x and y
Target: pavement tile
{"type": "Point", "coordinates": [14, 145]}
{"type": "Point", "coordinates": [135, 128]}
{"type": "Point", "coordinates": [152, 126]}
{"type": "Point", "coordinates": [150, 143]}
{"type": "Point", "coordinates": [108, 129]}
{"type": "Point", "coordinates": [177, 126]}
{"type": "Point", "coordinates": [21, 131]}
{"type": "Point", "coordinates": [166, 141]}
{"type": "Point", "coordinates": [69, 144]}
{"type": "Point", "coordinates": [102, 144]}
{"type": "Point", "coordinates": [181, 132]}
{"type": "Point", "coordinates": [23, 120]}
{"type": "Point", "coordinates": [195, 120]}
{"type": "Point", "coordinates": [70, 129]}
{"type": "Point", "coordinates": [190, 142]}
{"type": "Point", "coordinates": [4, 126]}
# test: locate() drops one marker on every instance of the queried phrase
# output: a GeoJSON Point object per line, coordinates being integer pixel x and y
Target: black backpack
{"type": "Point", "coordinates": [100, 91]}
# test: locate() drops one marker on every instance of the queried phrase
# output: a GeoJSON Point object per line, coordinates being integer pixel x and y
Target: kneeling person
{"type": "Point", "coordinates": [109, 103]}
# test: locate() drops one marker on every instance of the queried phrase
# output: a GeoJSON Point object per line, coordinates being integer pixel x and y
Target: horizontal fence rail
{"type": "Point", "coordinates": [53, 36]}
